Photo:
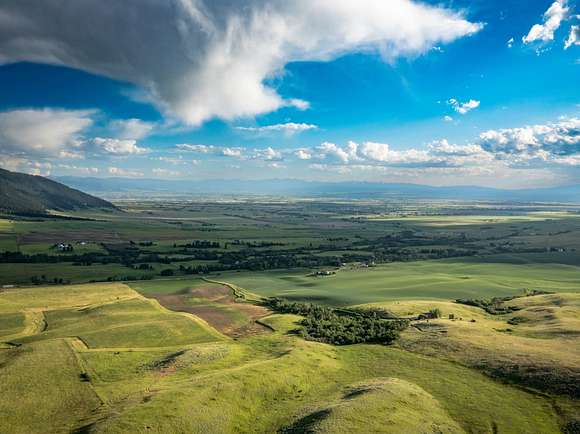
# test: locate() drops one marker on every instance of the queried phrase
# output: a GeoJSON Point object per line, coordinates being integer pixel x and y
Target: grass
{"type": "Point", "coordinates": [267, 394]}
{"type": "Point", "coordinates": [382, 406]}
{"type": "Point", "coordinates": [436, 280]}
{"type": "Point", "coordinates": [540, 352]}
{"type": "Point", "coordinates": [134, 323]}
{"type": "Point", "coordinates": [184, 377]}
{"type": "Point", "coordinates": [42, 391]}
{"type": "Point", "coordinates": [169, 286]}
{"type": "Point", "coordinates": [21, 274]}
{"type": "Point", "coordinates": [11, 323]}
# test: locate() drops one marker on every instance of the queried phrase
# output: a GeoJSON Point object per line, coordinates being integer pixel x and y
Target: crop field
{"type": "Point", "coordinates": [160, 319]}
{"type": "Point", "coordinates": [446, 279]}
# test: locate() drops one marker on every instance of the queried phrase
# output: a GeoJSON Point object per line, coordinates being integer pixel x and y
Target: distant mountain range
{"type": "Point", "coordinates": [295, 188]}
{"type": "Point", "coordinates": [35, 195]}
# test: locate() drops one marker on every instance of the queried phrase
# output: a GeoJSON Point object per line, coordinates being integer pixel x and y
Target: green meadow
{"type": "Point", "coordinates": [447, 280]}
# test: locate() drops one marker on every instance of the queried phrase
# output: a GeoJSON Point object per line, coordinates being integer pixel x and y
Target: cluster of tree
{"type": "Point", "coordinates": [341, 326]}
{"type": "Point", "coordinates": [495, 305]}
{"type": "Point", "coordinates": [256, 244]}
{"type": "Point", "coordinates": [43, 280]}
{"type": "Point", "coordinates": [201, 244]}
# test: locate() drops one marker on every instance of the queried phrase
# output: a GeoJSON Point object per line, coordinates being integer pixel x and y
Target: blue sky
{"type": "Point", "coordinates": [447, 93]}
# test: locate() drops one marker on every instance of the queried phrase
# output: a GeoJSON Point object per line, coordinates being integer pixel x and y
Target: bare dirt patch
{"type": "Point", "coordinates": [217, 305]}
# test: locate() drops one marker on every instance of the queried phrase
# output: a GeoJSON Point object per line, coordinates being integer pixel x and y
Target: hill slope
{"type": "Point", "coordinates": [28, 194]}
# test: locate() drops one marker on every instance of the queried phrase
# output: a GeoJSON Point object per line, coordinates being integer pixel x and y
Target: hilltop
{"type": "Point", "coordinates": [36, 195]}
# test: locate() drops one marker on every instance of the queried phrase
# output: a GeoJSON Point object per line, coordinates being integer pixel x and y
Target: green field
{"type": "Point", "coordinates": [445, 280]}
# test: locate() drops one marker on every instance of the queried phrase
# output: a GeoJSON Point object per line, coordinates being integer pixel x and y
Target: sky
{"type": "Point", "coordinates": [453, 92]}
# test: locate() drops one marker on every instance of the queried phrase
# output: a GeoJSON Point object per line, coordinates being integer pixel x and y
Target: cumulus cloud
{"type": "Point", "coordinates": [118, 146]}
{"type": "Point", "coordinates": [288, 128]}
{"type": "Point", "coordinates": [510, 42]}
{"type": "Point", "coordinates": [448, 118]}
{"type": "Point", "coordinates": [201, 149]}
{"type": "Point", "coordinates": [550, 144]}
{"type": "Point", "coordinates": [383, 153]}
{"type": "Point", "coordinates": [346, 154]}
{"type": "Point", "coordinates": [204, 59]}
{"type": "Point", "coordinates": [303, 154]}
{"type": "Point", "coordinates": [573, 37]}
{"type": "Point", "coordinates": [463, 107]}
{"type": "Point", "coordinates": [231, 152]}
{"type": "Point", "coordinates": [553, 17]}
{"type": "Point", "coordinates": [43, 132]}
{"type": "Point", "coordinates": [267, 154]}
{"type": "Point", "coordinates": [555, 142]}
{"type": "Point", "coordinates": [131, 129]}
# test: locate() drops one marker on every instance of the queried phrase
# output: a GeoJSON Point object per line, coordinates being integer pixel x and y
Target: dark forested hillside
{"type": "Point", "coordinates": [28, 194]}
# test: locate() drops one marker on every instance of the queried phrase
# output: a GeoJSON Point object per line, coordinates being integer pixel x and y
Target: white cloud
{"type": "Point", "coordinates": [510, 42]}
{"type": "Point", "coordinates": [202, 59]}
{"type": "Point", "coordinates": [288, 128]}
{"type": "Point", "coordinates": [231, 152]}
{"type": "Point", "coordinates": [79, 169]}
{"type": "Point", "coordinates": [276, 166]}
{"type": "Point", "coordinates": [131, 129]}
{"type": "Point", "coordinates": [553, 17]}
{"type": "Point", "coordinates": [118, 146]}
{"type": "Point", "coordinates": [556, 142]}
{"type": "Point", "coordinates": [43, 132]}
{"type": "Point", "coordinates": [463, 107]}
{"type": "Point", "coordinates": [303, 154]}
{"type": "Point", "coordinates": [165, 172]}
{"type": "Point", "coordinates": [347, 154]}
{"type": "Point", "coordinates": [300, 104]}
{"type": "Point", "coordinates": [117, 171]}
{"type": "Point", "coordinates": [383, 153]}
{"type": "Point", "coordinates": [448, 118]}
{"type": "Point", "coordinates": [201, 149]}
{"type": "Point", "coordinates": [573, 37]}
{"type": "Point", "coordinates": [40, 169]}
{"type": "Point", "coordinates": [268, 154]}
{"type": "Point", "coordinates": [443, 147]}
{"type": "Point", "coordinates": [171, 160]}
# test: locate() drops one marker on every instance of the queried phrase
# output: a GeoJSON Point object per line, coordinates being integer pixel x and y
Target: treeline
{"type": "Point", "coordinates": [200, 244]}
{"type": "Point", "coordinates": [127, 257]}
{"type": "Point", "coordinates": [341, 326]}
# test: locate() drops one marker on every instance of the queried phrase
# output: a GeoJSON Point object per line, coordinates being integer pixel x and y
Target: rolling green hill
{"type": "Point", "coordinates": [35, 195]}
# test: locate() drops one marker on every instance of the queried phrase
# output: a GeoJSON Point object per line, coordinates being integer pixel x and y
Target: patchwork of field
{"type": "Point", "coordinates": [157, 239]}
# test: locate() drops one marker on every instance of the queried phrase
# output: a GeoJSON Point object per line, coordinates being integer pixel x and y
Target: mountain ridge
{"type": "Point", "coordinates": [23, 194]}
{"type": "Point", "coordinates": [295, 188]}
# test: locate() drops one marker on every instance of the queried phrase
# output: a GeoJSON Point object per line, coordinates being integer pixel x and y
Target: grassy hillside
{"type": "Point", "coordinates": [34, 195]}
{"type": "Point", "coordinates": [70, 369]}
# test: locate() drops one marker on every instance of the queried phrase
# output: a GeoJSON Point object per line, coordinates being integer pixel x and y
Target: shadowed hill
{"type": "Point", "coordinates": [35, 195]}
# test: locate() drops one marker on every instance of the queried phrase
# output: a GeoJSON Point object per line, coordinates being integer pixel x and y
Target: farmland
{"type": "Point", "coordinates": [156, 321]}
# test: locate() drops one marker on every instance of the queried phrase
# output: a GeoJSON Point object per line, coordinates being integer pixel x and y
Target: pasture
{"type": "Point", "coordinates": [437, 280]}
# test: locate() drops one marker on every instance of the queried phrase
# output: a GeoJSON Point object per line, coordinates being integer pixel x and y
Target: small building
{"type": "Point", "coordinates": [64, 247]}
